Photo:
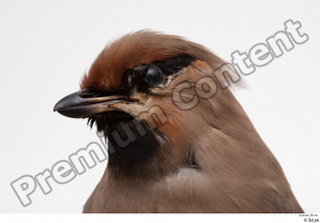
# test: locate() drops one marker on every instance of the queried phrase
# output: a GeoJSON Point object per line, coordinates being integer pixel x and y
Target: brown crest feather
{"type": "Point", "coordinates": [142, 47]}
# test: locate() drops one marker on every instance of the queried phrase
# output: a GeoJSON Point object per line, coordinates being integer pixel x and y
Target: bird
{"type": "Point", "coordinates": [178, 142]}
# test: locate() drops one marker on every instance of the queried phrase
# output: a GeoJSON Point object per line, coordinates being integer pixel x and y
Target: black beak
{"type": "Point", "coordinates": [79, 105]}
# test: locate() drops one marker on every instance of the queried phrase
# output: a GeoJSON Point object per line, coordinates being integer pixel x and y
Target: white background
{"type": "Point", "coordinates": [45, 47]}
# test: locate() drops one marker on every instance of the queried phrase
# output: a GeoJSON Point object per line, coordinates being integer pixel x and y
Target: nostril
{"type": "Point", "coordinates": [90, 93]}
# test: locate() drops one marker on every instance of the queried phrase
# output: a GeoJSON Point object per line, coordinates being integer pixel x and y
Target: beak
{"type": "Point", "coordinates": [75, 105]}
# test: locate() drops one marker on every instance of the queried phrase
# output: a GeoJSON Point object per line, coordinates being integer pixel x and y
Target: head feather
{"type": "Point", "coordinates": [142, 47]}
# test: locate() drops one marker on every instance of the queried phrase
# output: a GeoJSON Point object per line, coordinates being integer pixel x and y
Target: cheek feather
{"type": "Point", "coordinates": [133, 109]}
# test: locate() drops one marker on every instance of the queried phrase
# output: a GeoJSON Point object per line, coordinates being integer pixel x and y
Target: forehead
{"type": "Point", "coordinates": [142, 47]}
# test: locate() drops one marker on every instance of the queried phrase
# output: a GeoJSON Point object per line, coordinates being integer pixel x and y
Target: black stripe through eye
{"type": "Point", "coordinates": [150, 75]}
{"type": "Point", "coordinates": [175, 64]}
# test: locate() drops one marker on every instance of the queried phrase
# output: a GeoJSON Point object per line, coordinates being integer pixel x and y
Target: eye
{"type": "Point", "coordinates": [154, 76]}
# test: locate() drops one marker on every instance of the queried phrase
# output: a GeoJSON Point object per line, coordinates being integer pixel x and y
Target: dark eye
{"type": "Point", "coordinates": [154, 76]}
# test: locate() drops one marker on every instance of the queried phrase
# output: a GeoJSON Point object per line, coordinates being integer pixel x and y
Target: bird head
{"type": "Point", "coordinates": [142, 92]}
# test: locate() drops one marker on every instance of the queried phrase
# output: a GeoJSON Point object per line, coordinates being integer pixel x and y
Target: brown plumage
{"type": "Point", "coordinates": [206, 159]}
